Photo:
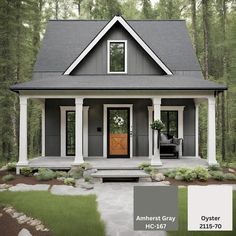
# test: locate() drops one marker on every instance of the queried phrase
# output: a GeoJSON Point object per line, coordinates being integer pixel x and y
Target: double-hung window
{"type": "Point", "coordinates": [117, 56]}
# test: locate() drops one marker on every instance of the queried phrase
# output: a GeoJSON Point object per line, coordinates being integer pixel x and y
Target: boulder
{"type": "Point", "coordinates": [166, 182]}
{"type": "Point", "coordinates": [88, 172]}
{"type": "Point", "coordinates": [39, 227]}
{"type": "Point", "coordinates": [17, 214]}
{"type": "Point", "coordinates": [34, 222]}
{"type": "Point", "coordinates": [86, 186]}
{"type": "Point", "coordinates": [24, 232]}
{"type": "Point", "coordinates": [158, 177]}
{"type": "Point", "coordinates": [5, 186]}
{"type": "Point", "coordinates": [231, 170]}
{"type": "Point", "coordinates": [3, 168]}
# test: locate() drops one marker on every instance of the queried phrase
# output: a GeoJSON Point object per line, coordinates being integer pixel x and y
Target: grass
{"type": "Point", "coordinates": [63, 215]}
{"type": "Point", "coordinates": [183, 224]}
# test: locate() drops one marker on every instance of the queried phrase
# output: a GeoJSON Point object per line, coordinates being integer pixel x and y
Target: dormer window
{"type": "Point", "coordinates": [117, 56]}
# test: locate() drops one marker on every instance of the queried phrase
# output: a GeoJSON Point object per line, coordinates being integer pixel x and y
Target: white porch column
{"type": "Point", "coordinates": [85, 131]}
{"type": "Point", "coordinates": [156, 160]}
{"type": "Point", "coordinates": [23, 159]}
{"type": "Point", "coordinates": [196, 129]}
{"type": "Point", "coordinates": [211, 150]}
{"type": "Point", "coordinates": [43, 129]}
{"type": "Point", "coordinates": [78, 131]}
{"type": "Point", "coordinates": [150, 131]}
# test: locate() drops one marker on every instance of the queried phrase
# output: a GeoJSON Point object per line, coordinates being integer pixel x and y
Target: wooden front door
{"type": "Point", "coordinates": [118, 132]}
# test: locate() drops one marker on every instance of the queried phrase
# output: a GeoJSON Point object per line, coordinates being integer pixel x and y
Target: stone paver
{"type": "Point", "coordinates": [28, 187]}
{"type": "Point", "coordinates": [70, 190]}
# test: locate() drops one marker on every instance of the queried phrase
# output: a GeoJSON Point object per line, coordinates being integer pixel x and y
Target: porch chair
{"type": "Point", "coordinates": [170, 147]}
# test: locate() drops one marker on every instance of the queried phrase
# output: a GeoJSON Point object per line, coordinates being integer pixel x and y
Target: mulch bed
{"type": "Point", "coordinates": [20, 179]}
{"type": "Point", "coordinates": [10, 227]}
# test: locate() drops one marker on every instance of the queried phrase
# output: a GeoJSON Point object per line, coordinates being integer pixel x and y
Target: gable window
{"type": "Point", "coordinates": [117, 56]}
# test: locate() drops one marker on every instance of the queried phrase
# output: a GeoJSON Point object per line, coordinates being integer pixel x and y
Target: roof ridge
{"type": "Point", "coordinates": [75, 20]}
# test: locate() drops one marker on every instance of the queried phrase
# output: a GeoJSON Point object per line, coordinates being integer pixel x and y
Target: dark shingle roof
{"type": "Point", "coordinates": [65, 40]}
{"type": "Point", "coordinates": [119, 82]}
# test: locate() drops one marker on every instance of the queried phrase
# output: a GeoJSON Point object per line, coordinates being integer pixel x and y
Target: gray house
{"type": "Point", "coordinates": [102, 83]}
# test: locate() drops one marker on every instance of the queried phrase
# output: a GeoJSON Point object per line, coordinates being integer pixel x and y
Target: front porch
{"type": "Point", "coordinates": [92, 131]}
{"type": "Point", "coordinates": [57, 162]}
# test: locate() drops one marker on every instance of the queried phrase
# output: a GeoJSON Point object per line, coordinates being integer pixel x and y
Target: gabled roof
{"type": "Point", "coordinates": [100, 35]}
{"type": "Point", "coordinates": [64, 40]}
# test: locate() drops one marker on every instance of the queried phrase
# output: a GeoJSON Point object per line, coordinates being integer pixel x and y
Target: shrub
{"type": "Point", "coordinates": [45, 174]}
{"type": "Point", "coordinates": [144, 165]}
{"type": "Point", "coordinates": [214, 168]}
{"type": "Point", "coordinates": [202, 173]}
{"type": "Point", "coordinates": [85, 166]}
{"type": "Point", "coordinates": [88, 179]}
{"type": "Point", "coordinates": [230, 176]}
{"type": "Point", "coordinates": [60, 174]}
{"type": "Point", "coordinates": [11, 166]}
{"type": "Point", "coordinates": [170, 173]}
{"type": "Point", "coordinates": [8, 177]}
{"type": "Point", "coordinates": [189, 175]}
{"type": "Point", "coordinates": [217, 175]}
{"type": "Point", "coordinates": [76, 172]}
{"type": "Point", "coordinates": [26, 171]}
{"type": "Point", "coordinates": [148, 169]}
{"type": "Point", "coordinates": [69, 181]}
{"type": "Point", "coordinates": [179, 177]}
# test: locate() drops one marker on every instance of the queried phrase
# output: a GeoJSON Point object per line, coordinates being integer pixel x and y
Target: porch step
{"type": "Point", "coordinates": [120, 174]}
{"type": "Point", "coordinates": [106, 168]}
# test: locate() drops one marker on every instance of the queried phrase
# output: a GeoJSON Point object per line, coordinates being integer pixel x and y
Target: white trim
{"type": "Point", "coordinates": [117, 94]}
{"type": "Point", "coordinates": [108, 56]}
{"type": "Point", "coordinates": [156, 159]}
{"type": "Point", "coordinates": [63, 110]}
{"type": "Point", "coordinates": [105, 106]}
{"type": "Point", "coordinates": [131, 32]}
{"type": "Point", "coordinates": [180, 110]}
{"type": "Point", "coordinates": [43, 128]}
{"type": "Point", "coordinates": [79, 159]}
{"type": "Point", "coordinates": [150, 131]}
{"type": "Point", "coordinates": [85, 130]}
{"type": "Point", "coordinates": [23, 158]}
{"type": "Point", "coordinates": [211, 142]}
{"type": "Point", "coordinates": [196, 129]}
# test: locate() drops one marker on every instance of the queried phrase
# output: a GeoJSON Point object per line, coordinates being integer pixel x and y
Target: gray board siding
{"type": "Point", "coordinates": [138, 61]}
{"type": "Point", "coordinates": [95, 137]}
{"type": "Point", "coordinates": [65, 40]}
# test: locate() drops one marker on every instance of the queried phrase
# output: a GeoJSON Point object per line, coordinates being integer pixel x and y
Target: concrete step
{"type": "Point", "coordinates": [120, 174]}
{"type": "Point", "coordinates": [116, 168]}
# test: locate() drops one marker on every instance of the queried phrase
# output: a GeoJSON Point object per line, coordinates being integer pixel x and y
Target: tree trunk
{"type": "Point", "coordinates": [56, 9]}
{"type": "Point", "coordinates": [194, 25]}
{"type": "Point", "coordinates": [205, 13]}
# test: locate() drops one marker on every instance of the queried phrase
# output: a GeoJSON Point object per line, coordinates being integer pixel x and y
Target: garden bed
{"type": "Point", "coordinates": [197, 182]}
{"type": "Point", "coordinates": [26, 180]}
{"type": "Point", "coordinates": [9, 226]}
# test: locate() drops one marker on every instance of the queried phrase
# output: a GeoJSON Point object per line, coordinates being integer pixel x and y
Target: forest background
{"type": "Point", "coordinates": [212, 28]}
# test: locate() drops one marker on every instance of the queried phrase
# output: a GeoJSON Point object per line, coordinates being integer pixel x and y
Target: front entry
{"type": "Point", "coordinates": [118, 132]}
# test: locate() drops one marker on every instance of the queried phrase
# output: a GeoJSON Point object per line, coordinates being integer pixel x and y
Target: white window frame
{"type": "Point", "coordinates": [180, 110]}
{"type": "Point", "coordinates": [105, 106]}
{"type": "Point", "coordinates": [63, 110]}
{"type": "Point", "coordinates": [108, 56]}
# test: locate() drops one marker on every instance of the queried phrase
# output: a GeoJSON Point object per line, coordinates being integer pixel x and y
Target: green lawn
{"type": "Point", "coordinates": [183, 220]}
{"type": "Point", "coordinates": [63, 215]}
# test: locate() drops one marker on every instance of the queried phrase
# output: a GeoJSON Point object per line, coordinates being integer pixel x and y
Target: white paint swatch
{"type": "Point", "coordinates": [210, 208]}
